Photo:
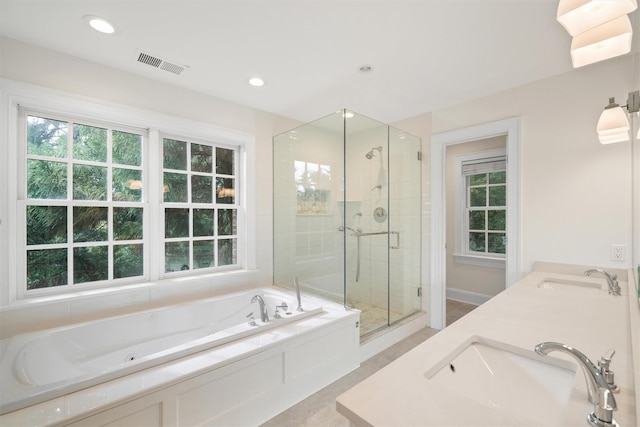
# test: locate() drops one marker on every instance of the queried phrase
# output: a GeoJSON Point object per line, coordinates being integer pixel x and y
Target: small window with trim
{"type": "Point", "coordinates": [485, 210]}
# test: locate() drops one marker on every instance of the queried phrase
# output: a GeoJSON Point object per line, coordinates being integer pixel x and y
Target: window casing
{"type": "Point", "coordinates": [482, 211]}
{"type": "Point", "coordinates": [84, 210]}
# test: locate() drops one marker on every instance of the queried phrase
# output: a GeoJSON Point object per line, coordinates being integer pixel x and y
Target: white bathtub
{"type": "Point", "coordinates": [43, 365]}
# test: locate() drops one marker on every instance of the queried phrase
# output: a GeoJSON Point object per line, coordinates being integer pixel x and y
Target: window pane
{"type": "Point", "coordinates": [225, 191]}
{"type": "Point", "coordinates": [127, 223]}
{"type": "Point", "coordinates": [128, 261]}
{"type": "Point", "coordinates": [498, 177]}
{"type": "Point", "coordinates": [225, 161]}
{"type": "Point", "coordinates": [127, 185]}
{"type": "Point", "coordinates": [46, 225]}
{"type": "Point", "coordinates": [479, 179]}
{"type": "Point", "coordinates": [476, 220]}
{"type": "Point", "coordinates": [497, 220]}
{"type": "Point", "coordinates": [175, 187]}
{"type": "Point", "coordinates": [89, 143]}
{"type": "Point", "coordinates": [201, 158]}
{"type": "Point", "coordinates": [46, 268]}
{"type": "Point", "coordinates": [226, 252]}
{"type": "Point", "coordinates": [176, 256]}
{"type": "Point", "coordinates": [498, 196]}
{"type": "Point", "coordinates": [90, 264]}
{"type": "Point", "coordinates": [227, 222]}
{"type": "Point", "coordinates": [46, 137]}
{"type": "Point", "coordinates": [89, 182]}
{"type": "Point", "coordinates": [201, 189]}
{"type": "Point", "coordinates": [175, 154]}
{"type": "Point", "coordinates": [476, 242]}
{"type": "Point", "coordinates": [203, 254]}
{"type": "Point", "coordinates": [46, 180]}
{"type": "Point", "coordinates": [497, 243]}
{"type": "Point", "coordinates": [90, 224]}
{"type": "Point", "coordinates": [478, 196]}
{"type": "Point", "coordinates": [203, 222]}
{"type": "Point", "coordinates": [127, 148]}
{"type": "Point", "coordinates": [176, 223]}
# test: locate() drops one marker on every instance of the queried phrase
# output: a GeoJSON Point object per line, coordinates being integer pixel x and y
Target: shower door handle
{"type": "Point", "coordinates": [397, 245]}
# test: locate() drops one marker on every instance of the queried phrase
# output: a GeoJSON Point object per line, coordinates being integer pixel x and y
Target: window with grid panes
{"type": "Point", "coordinates": [485, 211]}
{"type": "Point", "coordinates": [83, 207]}
{"type": "Point", "coordinates": [200, 205]}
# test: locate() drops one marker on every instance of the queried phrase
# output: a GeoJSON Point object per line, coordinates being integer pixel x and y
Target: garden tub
{"type": "Point", "coordinates": [42, 365]}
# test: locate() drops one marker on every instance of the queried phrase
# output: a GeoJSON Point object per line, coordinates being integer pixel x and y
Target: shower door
{"type": "Point", "coordinates": [382, 218]}
{"type": "Point", "coordinates": [347, 215]}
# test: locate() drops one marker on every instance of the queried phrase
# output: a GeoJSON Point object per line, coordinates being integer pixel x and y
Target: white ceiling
{"type": "Point", "coordinates": [426, 54]}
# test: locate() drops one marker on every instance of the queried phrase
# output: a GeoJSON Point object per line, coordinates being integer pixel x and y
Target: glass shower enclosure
{"type": "Point", "coordinates": [347, 217]}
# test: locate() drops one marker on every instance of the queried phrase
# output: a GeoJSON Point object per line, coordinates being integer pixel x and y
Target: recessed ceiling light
{"type": "Point", "coordinates": [256, 81]}
{"type": "Point", "coordinates": [100, 24]}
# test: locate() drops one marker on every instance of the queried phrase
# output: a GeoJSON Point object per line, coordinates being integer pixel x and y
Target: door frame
{"type": "Point", "coordinates": [439, 142]}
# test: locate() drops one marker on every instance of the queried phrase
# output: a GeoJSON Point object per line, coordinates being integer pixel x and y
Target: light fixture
{"type": "Point", "coordinates": [613, 38]}
{"type": "Point", "coordinates": [613, 125]}
{"type": "Point", "coordinates": [256, 81]}
{"type": "Point", "coordinates": [578, 16]}
{"type": "Point", "coordinates": [100, 24]}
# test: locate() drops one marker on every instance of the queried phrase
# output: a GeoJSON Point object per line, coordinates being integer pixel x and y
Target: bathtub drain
{"type": "Point", "coordinates": [130, 357]}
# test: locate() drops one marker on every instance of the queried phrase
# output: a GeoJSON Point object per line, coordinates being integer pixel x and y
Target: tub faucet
{"type": "Point", "coordinates": [612, 280]}
{"type": "Point", "coordinates": [599, 392]}
{"type": "Point", "coordinates": [264, 316]}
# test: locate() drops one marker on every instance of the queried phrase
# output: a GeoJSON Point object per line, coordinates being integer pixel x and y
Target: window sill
{"type": "Point", "coordinates": [480, 261]}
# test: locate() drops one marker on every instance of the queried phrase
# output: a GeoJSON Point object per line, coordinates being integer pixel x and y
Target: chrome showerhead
{"type": "Point", "coordinates": [370, 154]}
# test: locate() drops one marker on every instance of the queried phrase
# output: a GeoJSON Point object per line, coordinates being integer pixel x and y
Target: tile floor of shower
{"type": "Point", "coordinates": [319, 409]}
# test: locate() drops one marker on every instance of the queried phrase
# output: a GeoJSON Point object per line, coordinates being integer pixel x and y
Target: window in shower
{"type": "Point", "coordinates": [313, 183]}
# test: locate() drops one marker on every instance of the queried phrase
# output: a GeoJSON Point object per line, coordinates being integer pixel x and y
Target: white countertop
{"type": "Point", "coordinates": [523, 315]}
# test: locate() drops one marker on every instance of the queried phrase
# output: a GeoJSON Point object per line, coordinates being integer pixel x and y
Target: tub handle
{"type": "Point", "coordinates": [283, 306]}
{"type": "Point", "coordinates": [252, 320]}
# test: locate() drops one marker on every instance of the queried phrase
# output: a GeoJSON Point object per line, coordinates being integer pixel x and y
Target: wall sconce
{"type": "Point", "coordinates": [613, 125]}
{"type": "Point", "coordinates": [600, 28]}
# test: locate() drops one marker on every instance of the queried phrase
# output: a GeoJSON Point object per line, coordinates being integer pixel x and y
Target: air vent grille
{"type": "Point", "coordinates": [156, 62]}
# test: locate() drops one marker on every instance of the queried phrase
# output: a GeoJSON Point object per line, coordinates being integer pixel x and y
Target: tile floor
{"type": "Point", "coordinates": [319, 409]}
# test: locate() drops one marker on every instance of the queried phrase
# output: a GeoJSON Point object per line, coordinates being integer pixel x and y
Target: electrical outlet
{"type": "Point", "coordinates": [617, 252]}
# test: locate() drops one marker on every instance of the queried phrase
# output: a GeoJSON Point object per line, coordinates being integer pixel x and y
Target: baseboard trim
{"type": "Point", "coordinates": [469, 297]}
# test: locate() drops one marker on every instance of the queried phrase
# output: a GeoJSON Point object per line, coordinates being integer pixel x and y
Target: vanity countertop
{"type": "Point", "coordinates": [522, 316]}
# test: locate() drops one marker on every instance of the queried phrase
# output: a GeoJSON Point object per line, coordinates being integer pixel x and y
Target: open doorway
{"type": "Point", "coordinates": [475, 194]}
{"type": "Point", "coordinates": [508, 129]}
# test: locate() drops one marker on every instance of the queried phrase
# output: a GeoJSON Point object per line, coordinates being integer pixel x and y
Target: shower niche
{"type": "Point", "coordinates": [347, 220]}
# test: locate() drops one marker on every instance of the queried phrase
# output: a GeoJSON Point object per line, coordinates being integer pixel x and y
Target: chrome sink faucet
{"type": "Point", "coordinates": [599, 392]}
{"type": "Point", "coordinates": [264, 316]}
{"type": "Point", "coordinates": [612, 280]}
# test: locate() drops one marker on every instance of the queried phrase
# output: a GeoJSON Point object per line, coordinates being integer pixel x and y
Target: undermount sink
{"type": "Point", "coordinates": [505, 378]}
{"type": "Point", "coordinates": [565, 284]}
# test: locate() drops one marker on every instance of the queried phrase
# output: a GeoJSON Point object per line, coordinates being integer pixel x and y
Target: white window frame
{"type": "Point", "coordinates": [70, 203]}
{"type": "Point", "coordinates": [461, 233]}
{"type": "Point", "coordinates": [17, 95]}
{"type": "Point", "coordinates": [214, 206]}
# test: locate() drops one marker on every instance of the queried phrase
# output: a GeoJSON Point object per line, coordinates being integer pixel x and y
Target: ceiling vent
{"type": "Point", "coordinates": [160, 63]}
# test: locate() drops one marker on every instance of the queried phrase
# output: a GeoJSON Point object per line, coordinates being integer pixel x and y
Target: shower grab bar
{"type": "Point", "coordinates": [374, 233]}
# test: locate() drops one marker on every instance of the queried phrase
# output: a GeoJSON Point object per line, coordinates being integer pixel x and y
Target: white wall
{"type": "Point", "coordinates": [575, 192]}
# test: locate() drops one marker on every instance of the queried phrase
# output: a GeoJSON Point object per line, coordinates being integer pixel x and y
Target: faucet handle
{"type": "Point", "coordinates": [252, 320]}
{"type": "Point", "coordinates": [607, 374]}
